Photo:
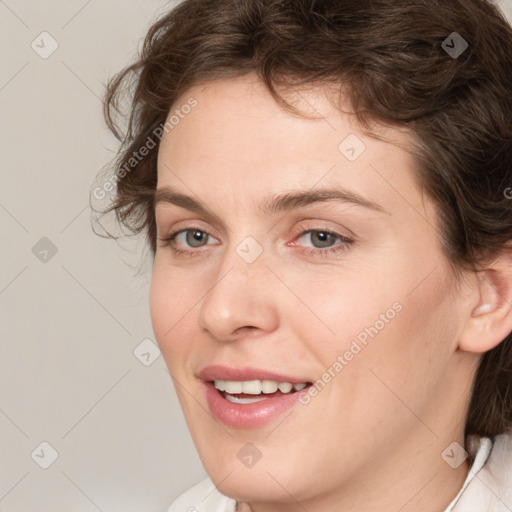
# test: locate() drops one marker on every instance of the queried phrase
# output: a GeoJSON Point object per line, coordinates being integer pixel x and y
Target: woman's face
{"type": "Point", "coordinates": [311, 257]}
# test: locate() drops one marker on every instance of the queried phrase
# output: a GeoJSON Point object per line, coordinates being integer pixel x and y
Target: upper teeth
{"type": "Point", "coordinates": [255, 387]}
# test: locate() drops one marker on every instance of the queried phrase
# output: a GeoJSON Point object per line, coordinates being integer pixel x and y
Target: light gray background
{"type": "Point", "coordinates": [69, 325]}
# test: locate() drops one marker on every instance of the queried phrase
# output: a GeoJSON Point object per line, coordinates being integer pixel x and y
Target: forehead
{"type": "Point", "coordinates": [240, 114]}
{"type": "Point", "coordinates": [239, 137]}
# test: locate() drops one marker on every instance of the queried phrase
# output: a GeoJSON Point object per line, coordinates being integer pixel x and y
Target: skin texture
{"type": "Point", "coordinates": [372, 439]}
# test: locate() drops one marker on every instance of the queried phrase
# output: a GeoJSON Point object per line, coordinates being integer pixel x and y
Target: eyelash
{"type": "Point", "coordinates": [323, 253]}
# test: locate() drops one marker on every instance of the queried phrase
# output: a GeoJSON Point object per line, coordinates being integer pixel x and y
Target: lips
{"type": "Point", "coordinates": [218, 372]}
{"type": "Point", "coordinates": [232, 405]}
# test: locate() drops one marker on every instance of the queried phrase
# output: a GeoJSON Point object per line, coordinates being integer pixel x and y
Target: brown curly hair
{"type": "Point", "coordinates": [391, 58]}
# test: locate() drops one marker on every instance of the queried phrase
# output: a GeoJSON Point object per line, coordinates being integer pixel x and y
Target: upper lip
{"type": "Point", "coordinates": [219, 372]}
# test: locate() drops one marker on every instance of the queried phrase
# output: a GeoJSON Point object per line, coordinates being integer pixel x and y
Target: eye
{"type": "Point", "coordinates": [193, 237]}
{"type": "Point", "coordinates": [324, 241]}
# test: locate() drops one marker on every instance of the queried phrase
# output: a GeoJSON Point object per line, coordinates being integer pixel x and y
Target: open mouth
{"type": "Point", "coordinates": [248, 398]}
{"type": "Point", "coordinates": [252, 391]}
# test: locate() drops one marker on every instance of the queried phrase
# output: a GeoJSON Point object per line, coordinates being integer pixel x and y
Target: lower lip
{"type": "Point", "coordinates": [248, 416]}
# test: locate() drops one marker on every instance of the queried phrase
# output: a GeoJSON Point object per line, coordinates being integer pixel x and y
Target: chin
{"type": "Point", "coordinates": [245, 485]}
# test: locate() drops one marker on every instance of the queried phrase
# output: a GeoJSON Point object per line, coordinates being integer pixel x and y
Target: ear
{"type": "Point", "coordinates": [490, 314]}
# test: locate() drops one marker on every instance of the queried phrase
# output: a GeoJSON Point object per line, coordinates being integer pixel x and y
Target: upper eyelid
{"type": "Point", "coordinates": [301, 232]}
{"type": "Point", "coordinates": [188, 224]}
{"type": "Point", "coordinates": [197, 224]}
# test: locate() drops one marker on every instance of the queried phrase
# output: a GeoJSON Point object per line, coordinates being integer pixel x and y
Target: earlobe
{"type": "Point", "coordinates": [490, 321]}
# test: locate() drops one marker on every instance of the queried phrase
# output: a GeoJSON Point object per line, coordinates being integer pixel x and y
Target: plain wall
{"type": "Point", "coordinates": [72, 311]}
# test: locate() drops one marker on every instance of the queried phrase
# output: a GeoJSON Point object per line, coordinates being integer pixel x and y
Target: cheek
{"type": "Point", "coordinates": [340, 308]}
{"type": "Point", "coordinates": [379, 323]}
{"type": "Point", "coordinates": [405, 351]}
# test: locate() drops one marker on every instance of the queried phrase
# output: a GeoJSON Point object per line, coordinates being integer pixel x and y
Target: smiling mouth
{"type": "Point", "coordinates": [252, 391]}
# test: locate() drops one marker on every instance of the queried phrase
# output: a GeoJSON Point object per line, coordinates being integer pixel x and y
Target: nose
{"type": "Point", "coordinates": [241, 300]}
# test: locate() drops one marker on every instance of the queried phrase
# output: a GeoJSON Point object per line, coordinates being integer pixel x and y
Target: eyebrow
{"type": "Point", "coordinates": [283, 202]}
